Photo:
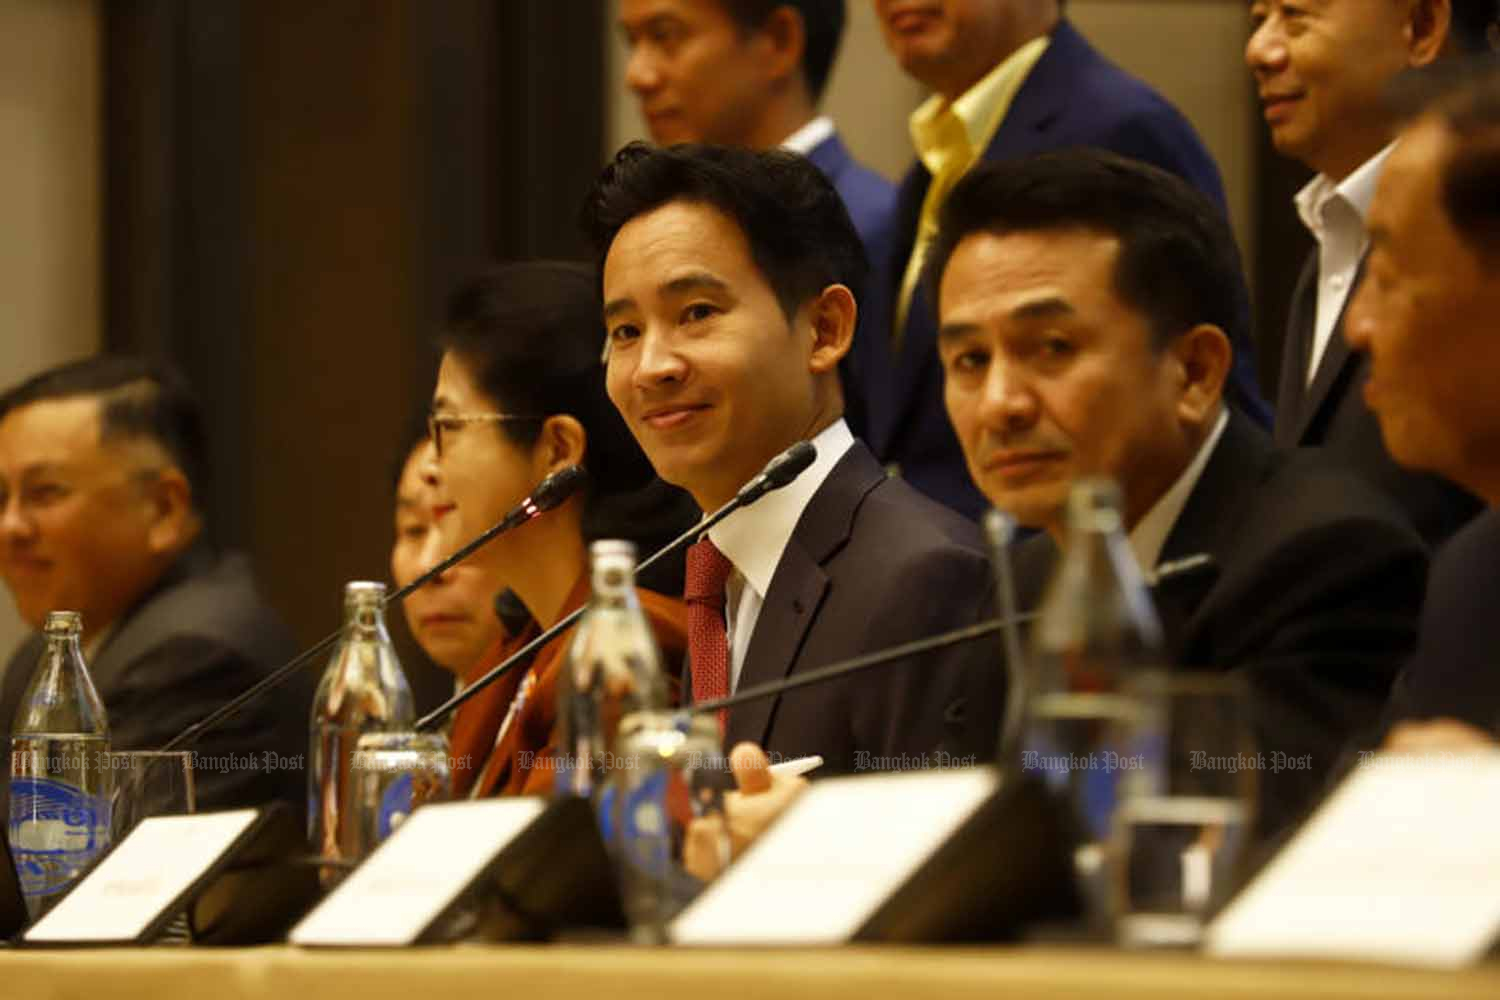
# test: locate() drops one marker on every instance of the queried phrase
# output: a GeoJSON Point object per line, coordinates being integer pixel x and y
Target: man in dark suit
{"type": "Point", "coordinates": [727, 277]}
{"type": "Point", "coordinates": [1425, 326]}
{"type": "Point", "coordinates": [1322, 71]}
{"type": "Point", "coordinates": [102, 463]}
{"type": "Point", "coordinates": [750, 73]}
{"type": "Point", "coordinates": [1087, 306]}
{"type": "Point", "coordinates": [1010, 78]}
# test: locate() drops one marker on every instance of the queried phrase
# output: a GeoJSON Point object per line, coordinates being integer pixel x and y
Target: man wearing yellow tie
{"type": "Point", "coordinates": [1010, 78]}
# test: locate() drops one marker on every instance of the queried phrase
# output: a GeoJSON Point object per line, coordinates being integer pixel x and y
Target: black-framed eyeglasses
{"type": "Point", "coordinates": [439, 424]}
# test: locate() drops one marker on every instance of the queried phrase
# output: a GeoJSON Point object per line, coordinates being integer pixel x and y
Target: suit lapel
{"type": "Point", "coordinates": [799, 587]}
{"type": "Point", "coordinates": [1207, 525]}
{"type": "Point", "coordinates": [1337, 360]}
{"type": "Point", "coordinates": [1291, 396]}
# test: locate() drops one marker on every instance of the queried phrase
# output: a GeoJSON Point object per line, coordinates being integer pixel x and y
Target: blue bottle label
{"type": "Point", "coordinates": [56, 830]}
{"type": "Point", "coordinates": [395, 806]}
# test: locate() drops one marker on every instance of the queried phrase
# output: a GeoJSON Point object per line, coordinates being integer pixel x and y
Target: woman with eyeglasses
{"type": "Point", "coordinates": [520, 395]}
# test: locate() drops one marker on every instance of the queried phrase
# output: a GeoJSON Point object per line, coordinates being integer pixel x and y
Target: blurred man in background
{"type": "Point", "coordinates": [1322, 70]}
{"type": "Point", "coordinates": [751, 73]}
{"type": "Point", "coordinates": [103, 467]}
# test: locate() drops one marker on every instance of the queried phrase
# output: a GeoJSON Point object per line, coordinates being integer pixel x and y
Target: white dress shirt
{"type": "Point", "coordinates": [1335, 214]}
{"type": "Point", "coordinates": [754, 537]}
{"type": "Point", "coordinates": [807, 138]}
{"type": "Point", "coordinates": [1150, 534]}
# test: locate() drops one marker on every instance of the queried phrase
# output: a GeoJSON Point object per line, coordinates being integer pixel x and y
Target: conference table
{"type": "Point", "coordinates": [617, 972]}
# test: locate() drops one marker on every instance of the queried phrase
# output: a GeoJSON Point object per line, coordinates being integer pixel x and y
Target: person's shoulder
{"type": "Point", "coordinates": [905, 522]}
{"type": "Point", "coordinates": [219, 602]}
{"type": "Point", "coordinates": [1306, 488]}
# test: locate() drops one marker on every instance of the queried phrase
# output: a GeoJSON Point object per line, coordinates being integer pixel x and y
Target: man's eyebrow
{"type": "Point", "coordinates": [957, 331]}
{"type": "Point", "coordinates": [693, 281]}
{"type": "Point", "coordinates": [1046, 308]}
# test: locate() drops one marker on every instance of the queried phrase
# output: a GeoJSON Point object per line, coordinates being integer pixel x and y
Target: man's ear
{"type": "Point", "coordinates": [563, 442]}
{"type": "Point", "coordinates": [1428, 25]}
{"type": "Point", "coordinates": [1202, 359]}
{"type": "Point", "coordinates": [832, 315]}
{"type": "Point", "coordinates": [783, 40]}
{"type": "Point", "coordinates": [174, 520]}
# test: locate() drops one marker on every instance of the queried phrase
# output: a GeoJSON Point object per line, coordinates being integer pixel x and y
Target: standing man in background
{"type": "Point", "coordinates": [751, 73]}
{"type": "Point", "coordinates": [1322, 70]}
{"type": "Point", "coordinates": [1010, 78]}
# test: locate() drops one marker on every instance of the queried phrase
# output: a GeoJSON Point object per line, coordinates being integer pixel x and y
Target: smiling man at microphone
{"type": "Point", "coordinates": [730, 280]}
{"type": "Point", "coordinates": [1086, 308]}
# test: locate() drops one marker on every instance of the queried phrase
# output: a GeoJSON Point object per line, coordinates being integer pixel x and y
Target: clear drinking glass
{"type": "Point", "coordinates": [1184, 815]}
{"type": "Point", "coordinates": [150, 783]}
{"type": "Point", "coordinates": [668, 772]}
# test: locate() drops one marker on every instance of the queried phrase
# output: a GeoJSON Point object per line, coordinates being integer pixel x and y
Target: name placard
{"type": "Point", "coordinates": [403, 888]}
{"type": "Point", "coordinates": [828, 866]}
{"type": "Point", "coordinates": [145, 880]}
{"type": "Point", "coordinates": [1401, 864]}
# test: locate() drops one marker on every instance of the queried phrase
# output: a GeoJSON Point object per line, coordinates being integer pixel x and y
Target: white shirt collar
{"type": "Point", "coordinates": [1150, 534]}
{"type": "Point", "coordinates": [754, 537]}
{"type": "Point", "coordinates": [1356, 191]}
{"type": "Point", "coordinates": [810, 136]}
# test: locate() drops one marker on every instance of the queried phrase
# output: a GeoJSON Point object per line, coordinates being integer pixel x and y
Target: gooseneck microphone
{"type": "Point", "coordinates": [549, 493]}
{"type": "Point", "coordinates": [867, 661]}
{"type": "Point", "coordinates": [778, 472]}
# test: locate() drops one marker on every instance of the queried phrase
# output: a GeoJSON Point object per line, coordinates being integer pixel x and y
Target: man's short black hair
{"type": "Point", "coordinates": [138, 399]}
{"type": "Point", "coordinates": [1465, 96]}
{"type": "Point", "coordinates": [1472, 26]}
{"type": "Point", "coordinates": [799, 232]}
{"type": "Point", "coordinates": [822, 23]}
{"type": "Point", "coordinates": [1178, 264]}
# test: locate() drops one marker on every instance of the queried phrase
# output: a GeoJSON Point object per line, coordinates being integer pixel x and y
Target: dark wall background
{"type": "Point", "coordinates": [292, 190]}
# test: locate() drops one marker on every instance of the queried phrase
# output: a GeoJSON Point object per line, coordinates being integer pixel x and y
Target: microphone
{"type": "Point", "coordinates": [549, 493]}
{"type": "Point", "coordinates": [867, 661]}
{"type": "Point", "coordinates": [778, 472]}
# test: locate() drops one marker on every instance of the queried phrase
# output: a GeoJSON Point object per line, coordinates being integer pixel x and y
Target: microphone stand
{"type": "Point", "coordinates": [856, 664]}
{"type": "Point", "coordinates": [549, 493]}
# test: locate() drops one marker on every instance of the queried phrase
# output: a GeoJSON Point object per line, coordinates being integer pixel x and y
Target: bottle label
{"type": "Point", "coordinates": [56, 830]}
{"type": "Point", "coordinates": [395, 806]}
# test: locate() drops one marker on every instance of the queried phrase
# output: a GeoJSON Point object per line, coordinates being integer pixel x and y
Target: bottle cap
{"type": "Point", "coordinates": [1094, 505]}
{"type": "Point", "coordinates": [63, 623]}
{"type": "Point", "coordinates": [613, 561]}
{"type": "Point", "coordinates": [364, 592]}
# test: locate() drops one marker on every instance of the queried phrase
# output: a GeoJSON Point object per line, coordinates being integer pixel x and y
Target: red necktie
{"type": "Point", "coordinates": [708, 639]}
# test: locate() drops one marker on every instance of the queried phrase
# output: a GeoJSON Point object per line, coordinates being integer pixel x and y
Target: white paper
{"type": "Point", "coordinates": [419, 870]}
{"type": "Point", "coordinates": [838, 853]}
{"type": "Point", "coordinates": [1402, 864]}
{"type": "Point", "coordinates": [155, 863]}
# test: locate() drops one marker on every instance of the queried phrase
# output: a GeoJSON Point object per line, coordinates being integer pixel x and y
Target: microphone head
{"type": "Point", "coordinates": [789, 465]}
{"type": "Point", "coordinates": [557, 487]}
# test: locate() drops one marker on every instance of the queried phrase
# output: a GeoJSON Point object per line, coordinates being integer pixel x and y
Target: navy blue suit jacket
{"type": "Point", "coordinates": [1072, 97]}
{"type": "Point", "coordinates": [871, 201]}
